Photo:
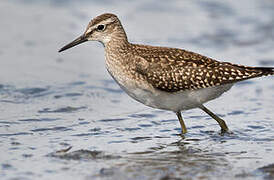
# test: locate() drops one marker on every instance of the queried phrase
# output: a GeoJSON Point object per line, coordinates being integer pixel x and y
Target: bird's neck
{"type": "Point", "coordinates": [117, 49]}
{"type": "Point", "coordinates": [118, 44]}
{"type": "Point", "coordinates": [117, 53]}
{"type": "Point", "coordinates": [118, 38]}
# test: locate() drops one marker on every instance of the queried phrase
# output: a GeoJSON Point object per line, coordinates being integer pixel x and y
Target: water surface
{"type": "Point", "coordinates": [63, 117]}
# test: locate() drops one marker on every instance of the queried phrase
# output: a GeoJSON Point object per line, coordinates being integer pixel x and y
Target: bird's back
{"type": "Point", "coordinates": [172, 69]}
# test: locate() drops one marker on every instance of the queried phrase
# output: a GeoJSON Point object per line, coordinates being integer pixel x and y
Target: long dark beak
{"type": "Point", "coordinates": [77, 41]}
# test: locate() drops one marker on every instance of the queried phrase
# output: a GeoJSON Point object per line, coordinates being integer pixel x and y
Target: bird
{"type": "Point", "coordinates": [164, 78]}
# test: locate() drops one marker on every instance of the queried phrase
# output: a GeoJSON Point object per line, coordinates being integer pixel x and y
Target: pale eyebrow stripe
{"type": "Point", "coordinates": [105, 22]}
{"type": "Point", "coordinates": [89, 30]}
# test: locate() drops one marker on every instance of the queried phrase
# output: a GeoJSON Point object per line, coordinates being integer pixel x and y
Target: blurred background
{"type": "Point", "coordinates": [51, 101]}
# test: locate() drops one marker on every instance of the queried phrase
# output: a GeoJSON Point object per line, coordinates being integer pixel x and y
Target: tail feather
{"type": "Point", "coordinates": [265, 70]}
{"type": "Point", "coordinates": [257, 71]}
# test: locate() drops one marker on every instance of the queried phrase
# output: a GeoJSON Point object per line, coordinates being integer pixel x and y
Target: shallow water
{"type": "Point", "coordinates": [62, 116]}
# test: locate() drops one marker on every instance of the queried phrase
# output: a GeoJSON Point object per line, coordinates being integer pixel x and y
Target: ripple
{"type": "Point", "coordinates": [256, 127]}
{"type": "Point", "coordinates": [197, 127]}
{"type": "Point", "coordinates": [68, 95]}
{"type": "Point", "coordinates": [197, 117]}
{"type": "Point", "coordinates": [236, 112]}
{"type": "Point", "coordinates": [192, 139]}
{"type": "Point", "coordinates": [110, 120]}
{"type": "Point", "coordinates": [112, 90]}
{"type": "Point", "coordinates": [116, 142]}
{"type": "Point", "coordinates": [165, 130]}
{"type": "Point", "coordinates": [6, 166]}
{"type": "Point", "coordinates": [131, 129]}
{"type": "Point", "coordinates": [88, 134]}
{"type": "Point", "coordinates": [8, 122]}
{"type": "Point", "coordinates": [27, 155]}
{"type": "Point", "coordinates": [67, 109]}
{"type": "Point", "coordinates": [108, 171]}
{"type": "Point", "coordinates": [144, 125]}
{"type": "Point", "coordinates": [35, 91]}
{"type": "Point", "coordinates": [17, 134]}
{"type": "Point", "coordinates": [141, 138]}
{"type": "Point", "coordinates": [82, 155]}
{"type": "Point", "coordinates": [95, 129]}
{"type": "Point", "coordinates": [142, 115]}
{"type": "Point", "coordinates": [39, 120]}
{"type": "Point", "coordinates": [168, 120]}
{"type": "Point", "coordinates": [58, 128]}
{"type": "Point", "coordinates": [170, 177]}
{"type": "Point", "coordinates": [77, 83]}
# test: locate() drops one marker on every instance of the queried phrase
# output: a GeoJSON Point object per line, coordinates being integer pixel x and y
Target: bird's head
{"type": "Point", "coordinates": [103, 28]}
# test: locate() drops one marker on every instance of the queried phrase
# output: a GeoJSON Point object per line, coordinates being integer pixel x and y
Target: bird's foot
{"type": "Point", "coordinates": [225, 132]}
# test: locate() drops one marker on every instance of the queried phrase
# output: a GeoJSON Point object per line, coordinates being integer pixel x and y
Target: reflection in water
{"type": "Point", "coordinates": [268, 170]}
{"type": "Point", "coordinates": [81, 155]}
{"type": "Point", "coordinates": [176, 160]}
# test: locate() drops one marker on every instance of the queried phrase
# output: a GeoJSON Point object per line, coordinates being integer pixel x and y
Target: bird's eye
{"type": "Point", "coordinates": [100, 27]}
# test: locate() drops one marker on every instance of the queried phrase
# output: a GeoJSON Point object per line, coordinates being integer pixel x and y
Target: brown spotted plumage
{"type": "Point", "coordinates": [172, 70]}
{"type": "Point", "coordinates": [165, 78]}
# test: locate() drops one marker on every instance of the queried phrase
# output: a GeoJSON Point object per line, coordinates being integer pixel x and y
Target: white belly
{"type": "Point", "coordinates": [177, 101]}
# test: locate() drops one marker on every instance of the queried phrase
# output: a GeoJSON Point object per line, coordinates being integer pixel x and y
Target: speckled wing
{"type": "Point", "coordinates": [177, 70]}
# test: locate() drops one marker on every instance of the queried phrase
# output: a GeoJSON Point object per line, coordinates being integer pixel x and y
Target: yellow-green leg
{"type": "Point", "coordinates": [220, 121]}
{"type": "Point", "coordinates": [183, 126]}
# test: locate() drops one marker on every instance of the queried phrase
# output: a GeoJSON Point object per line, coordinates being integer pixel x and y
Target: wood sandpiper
{"type": "Point", "coordinates": [161, 77]}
